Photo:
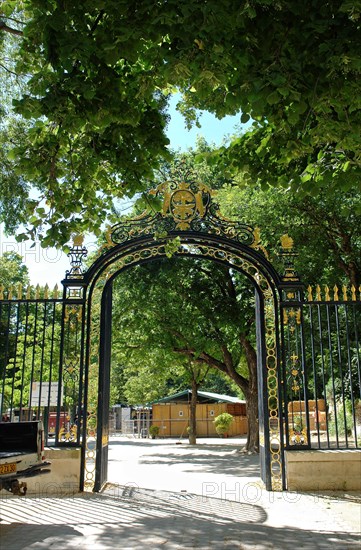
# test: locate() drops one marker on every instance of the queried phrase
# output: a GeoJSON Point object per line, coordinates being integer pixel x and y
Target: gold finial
{"type": "Point", "coordinates": [327, 294]}
{"type": "Point", "coordinates": [20, 291]}
{"type": "Point", "coordinates": [344, 293]}
{"type": "Point", "coordinates": [28, 293]}
{"type": "Point", "coordinates": [108, 237]}
{"type": "Point", "coordinates": [55, 292]}
{"type": "Point", "coordinates": [78, 240]}
{"type": "Point", "coordinates": [46, 292]}
{"type": "Point", "coordinates": [309, 293]}
{"type": "Point", "coordinates": [353, 293]}
{"type": "Point", "coordinates": [37, 292]}
{"type": "Point", "coordinates": [286, 242]}
{"type": "Point", "coordinates": [359, 289]}
{"type": "Point", "coordinates": [10, 293]}
{"type": "Point", "coordinates": [1, 292]}
{"type": "Point", "coordinates": [335, 293]}
{"type": "Point", "coordinates": [108, 241]}
{"type": "Point", "coordinates": [318, 293]}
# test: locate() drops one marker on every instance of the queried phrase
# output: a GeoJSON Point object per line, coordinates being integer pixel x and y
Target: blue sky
{"type": "Point", "coordinates": [212, 129]}
{"type": "Point", "coordinates": [49, 265]}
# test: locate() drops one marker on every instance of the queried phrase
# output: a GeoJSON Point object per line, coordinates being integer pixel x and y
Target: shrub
{"type": "Point", "coordinates": [222, 423]}
{"type": "Point", "coordinates": [341, 419]}
{"type": "Point", "coordinates": [154, 431]}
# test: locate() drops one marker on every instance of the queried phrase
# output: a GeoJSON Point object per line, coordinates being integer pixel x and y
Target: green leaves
{"type": "Point", "coordinates": [97, 72]}
{"type": "Point", "coordinates": [325, 227]}
{"type": "Point", "coordinates": [273, 98]}
{"type": "Point", "coordinates": [168, 316]}
{"type": "Point", "coordinates": [12, 270]}
{"type": "Point", "coordinates": [172, 246]}
{"type": "Point", "coordinates": [8, 6]}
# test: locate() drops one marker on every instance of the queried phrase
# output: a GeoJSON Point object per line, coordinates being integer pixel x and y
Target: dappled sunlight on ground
{"type": "Point", "coordinates": [177, 496]}
{"type": "Point", "coordinates": [130, 517]}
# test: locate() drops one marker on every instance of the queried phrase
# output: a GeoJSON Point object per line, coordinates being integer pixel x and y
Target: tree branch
{"type": "Point", "coordinates": [8, 70]}
{"type": "Point", "coordinates": [204, 357]}
{"type": "Point", "coordinates": [13, 19]}
{"type": "Point", "coordinates": [97, 21]}
{"type": "Point", "coordinates": [6, 28]}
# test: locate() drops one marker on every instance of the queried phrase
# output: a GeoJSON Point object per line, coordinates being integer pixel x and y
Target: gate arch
{"type": "Point", "coordinates": [191, 224]}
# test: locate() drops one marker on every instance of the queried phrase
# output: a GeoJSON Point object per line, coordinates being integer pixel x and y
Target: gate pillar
{"type": "Point", "coordinates": [293, 374]}
{"type": "Point", "coordinates": [101, 470]}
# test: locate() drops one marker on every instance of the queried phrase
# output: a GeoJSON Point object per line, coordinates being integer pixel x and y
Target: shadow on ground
{"type": "Point", "coordinates": [219, 459]}
{"type": "Point", "coordinates": [140, 518]}
{"type": "Point", "coordinates": [227, 464]}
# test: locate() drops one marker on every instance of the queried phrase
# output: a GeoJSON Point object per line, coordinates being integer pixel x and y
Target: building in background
{"type": "Point", "coordinates": [171, 414]}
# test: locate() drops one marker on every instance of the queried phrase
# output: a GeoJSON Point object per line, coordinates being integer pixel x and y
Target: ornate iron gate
{"type": "Point", "coordinates": [55, 352]}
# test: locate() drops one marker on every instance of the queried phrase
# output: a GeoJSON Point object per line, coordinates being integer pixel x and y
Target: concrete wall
{"type": "Point", "coordinates": [323, 470]}
{"type": "Point", "coordinates": [309, 470]}
{"type": "Point", "coordinates": [64, 478]}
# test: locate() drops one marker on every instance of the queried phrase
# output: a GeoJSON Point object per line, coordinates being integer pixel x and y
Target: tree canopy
{"type": "Point", "coordinates": [12, 270]}
{"type": "Point", "coordinates": [185, 318]}
{"type": "Point", "coordinates": [325, 229]}
{"type": "Point", "coordinates": [97, 76]}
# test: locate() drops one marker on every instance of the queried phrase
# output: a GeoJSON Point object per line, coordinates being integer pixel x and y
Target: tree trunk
{"type": "Point", "coordinates": [251, 396]}
{"type": "Point", "coordinates": [192, 413]}
{"type": "Point", "coordinates": [252, 445]}
{"type": "Point", "coordinates": [248, 386]}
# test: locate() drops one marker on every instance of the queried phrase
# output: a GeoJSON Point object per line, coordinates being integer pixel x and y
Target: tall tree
{"type": "Point", "coordinates": [325, 228]}
{"type": "Point", "coordinates": [98, 78]}
{"type": "Point", "coordinates": [12, 274]}
{"type": "Point", "coordinates": [195, 310]}
{"type": "Point", "coordinates": [12, 270]}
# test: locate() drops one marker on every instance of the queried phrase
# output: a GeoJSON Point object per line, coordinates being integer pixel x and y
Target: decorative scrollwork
{"type": "Point", "coordinates": [76, 255]}
{"type": "Point", "coordinates": [295, 384]}
{"type": "Point", "coordinates": [187, 205]}
{"type": "Point", "coordinates": [130, 229]}
{"type": "Point", "coordinates": [288, 255]}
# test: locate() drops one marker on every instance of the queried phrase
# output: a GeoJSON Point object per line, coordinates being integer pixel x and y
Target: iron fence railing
{"type": "Point", "coordinates": [333, 373]}
{"type": "Point", "coordinates": [322, 371]}
{"type": "Point", "coordinates": [33, 337]}
{"type": "Point", "coordinates": [41, 378]}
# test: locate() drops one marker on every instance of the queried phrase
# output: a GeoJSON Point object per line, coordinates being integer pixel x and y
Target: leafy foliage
{"type": "Point", "coordinates": [98, 77]}
{"type": "Point", "coordinates": [223, 422]}
{"type": "Point", "coordinates": [177, 320]}
{"type": "Point", "coordinates": [332, 257]}
{"type": "Point", "coordinates": [189, 314]}
{"type": "Point", "coordinates": [12, 270]}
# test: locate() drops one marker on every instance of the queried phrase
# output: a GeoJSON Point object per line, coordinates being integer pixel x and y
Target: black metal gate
{"type": "Point", "coordinates": [321, 358]}
{"type": "Point", "coordinates": [55, 351]}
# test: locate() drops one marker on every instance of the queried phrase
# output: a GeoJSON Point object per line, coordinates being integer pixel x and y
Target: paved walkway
{"type": "Point", "coordinates": [164, 495]}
